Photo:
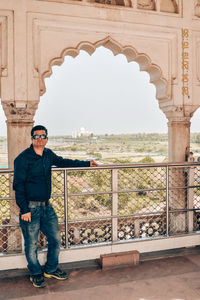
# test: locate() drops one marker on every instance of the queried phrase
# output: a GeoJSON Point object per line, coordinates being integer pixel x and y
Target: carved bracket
{"type": "Point", "coordinates": [182, 113]}
{"type": "Point", "coordinates": [23, 112]}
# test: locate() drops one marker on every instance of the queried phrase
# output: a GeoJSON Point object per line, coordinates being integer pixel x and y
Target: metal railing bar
{"type": "Point", "coordinates": [120, 166]}
{"type": "Point", "coordinates": [142, 190]}
{"type": "Point", "coordinates": [114, 205]}
{"type": "Point", "coordinates": [9, 225]}
{"type": "Point", "coordinates": [193, 186]}
{"type": "Point", "coordinates": [66, 209]}
{"type": "Point", "coordinates": [118, 216]}
{"type": "Point", "coordinates": [7, 171]}
{"type": "Point", "coordinates": [57, 195]}
{"type": "Point", "coordinates": [90, 219]}
{"type": "Point", "coordinates": [120, 191]}
{"type": "Point", "coordinates": [167, 200]}
{"type": "Point", "coordinates": [132, 165]}
{"type": "Point", "coordinates": [108, 193]}
{"type": "Point", "coordinates": [152, 213]}
{"type": "Point", "coordinates": [183, 210]}
{"type": "Point", "coordinates": [178, 188]}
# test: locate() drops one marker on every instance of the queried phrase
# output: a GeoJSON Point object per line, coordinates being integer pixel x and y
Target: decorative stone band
{"type": "Point", "coordinates": [170, 6]}
{"type": "Point", "coordinates": [20, 110]}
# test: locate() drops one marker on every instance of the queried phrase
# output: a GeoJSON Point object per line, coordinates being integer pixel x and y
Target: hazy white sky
{"type": "Point", "coordinates": [102, 93]}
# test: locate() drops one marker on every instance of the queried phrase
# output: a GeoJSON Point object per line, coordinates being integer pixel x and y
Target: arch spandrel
{"type": "Point", "coordinates": [130, 53]}
{"type": "Point", "coordinates": [52, 39]}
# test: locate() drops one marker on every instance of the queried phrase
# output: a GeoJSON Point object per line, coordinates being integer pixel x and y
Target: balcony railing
{"type": "Point", "coordinates": [112, 204]}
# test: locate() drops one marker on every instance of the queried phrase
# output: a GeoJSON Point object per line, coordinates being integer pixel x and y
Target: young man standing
{"type": "Point", "coordinates": [32, 185]}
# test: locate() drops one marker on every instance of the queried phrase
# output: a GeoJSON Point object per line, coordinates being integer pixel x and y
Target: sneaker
{"type": "Point", "coordinates": [38, 280]}
{"type": "Point", "coordinates": [58, 274]}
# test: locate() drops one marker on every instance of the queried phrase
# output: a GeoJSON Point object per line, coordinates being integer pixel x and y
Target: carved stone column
{"type": "Point", "coordinates": [178, 145]}
{"type": "Point", "coordinates": [178, 139]}
{"type": "Point", "coordinates": [19, 123]}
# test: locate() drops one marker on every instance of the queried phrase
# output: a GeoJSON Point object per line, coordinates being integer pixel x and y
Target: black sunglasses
{"type": "Point", "coordinates": [37, 136]}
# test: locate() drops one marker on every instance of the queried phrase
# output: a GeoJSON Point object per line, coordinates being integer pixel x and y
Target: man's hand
{"type": "Point", "coordinates": [26, 217]}
{"type": "Point", "coordinates": [93, 164]}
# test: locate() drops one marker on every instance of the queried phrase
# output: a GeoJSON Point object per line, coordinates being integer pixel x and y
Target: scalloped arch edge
{"type": "Point", "coordinates": [131, 54]}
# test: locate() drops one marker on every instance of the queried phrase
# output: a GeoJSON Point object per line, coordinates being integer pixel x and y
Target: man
{"type": "Point", "coordinates": [32, 185]}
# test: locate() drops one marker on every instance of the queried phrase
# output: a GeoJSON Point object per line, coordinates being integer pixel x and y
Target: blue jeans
{"type": "Point", "coordinates": [44, 219]}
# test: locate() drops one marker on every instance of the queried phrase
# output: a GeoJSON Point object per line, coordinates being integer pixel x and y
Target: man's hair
{"type": "Point", "coordinates": [38, 127]}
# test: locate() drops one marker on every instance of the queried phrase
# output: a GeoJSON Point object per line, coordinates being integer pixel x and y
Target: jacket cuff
{"type": "Point", "coordinates": [24, 210]}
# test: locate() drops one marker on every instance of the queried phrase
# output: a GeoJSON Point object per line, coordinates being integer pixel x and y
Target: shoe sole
{"type": "Point", "coordinates": [37, 286]}
{"type": "Point", "coordinates": [54, 276]}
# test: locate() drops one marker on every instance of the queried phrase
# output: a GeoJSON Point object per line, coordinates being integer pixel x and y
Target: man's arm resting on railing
{"type": "Point", "coordinates": [61, 162]}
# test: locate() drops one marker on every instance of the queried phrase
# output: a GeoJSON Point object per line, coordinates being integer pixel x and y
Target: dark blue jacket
{"type": "Point", "coordinates": [32, 175]}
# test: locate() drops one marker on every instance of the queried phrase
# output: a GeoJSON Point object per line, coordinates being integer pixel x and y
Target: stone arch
{"type": "Point", "coordinates": [131, 54]}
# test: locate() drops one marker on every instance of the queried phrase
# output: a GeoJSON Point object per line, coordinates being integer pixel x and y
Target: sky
{"type": "Point", "coordinates": [102, 93]}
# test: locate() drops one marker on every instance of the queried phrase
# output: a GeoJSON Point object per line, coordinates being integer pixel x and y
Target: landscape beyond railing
{"type": "Point", "coordinates": [112, 204]}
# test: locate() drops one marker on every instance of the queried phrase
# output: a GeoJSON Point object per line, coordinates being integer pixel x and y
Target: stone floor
{"type": "Point", "coordinates": [175, 278]}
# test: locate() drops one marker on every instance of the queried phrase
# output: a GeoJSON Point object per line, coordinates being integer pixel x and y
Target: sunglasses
{"type": "Point", "coordinates": [37, 136]}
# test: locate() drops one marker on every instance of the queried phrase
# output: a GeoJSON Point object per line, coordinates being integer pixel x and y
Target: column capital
{"type": "Point", "coordinates": [182, 114]}
{"type": "Point", "coordinates": [20, 111]}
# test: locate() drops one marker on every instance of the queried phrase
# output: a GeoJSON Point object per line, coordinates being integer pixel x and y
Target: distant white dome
{"type": "Point", "coordinates": [82, 130]}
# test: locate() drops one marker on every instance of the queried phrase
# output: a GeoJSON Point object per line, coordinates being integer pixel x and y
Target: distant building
{"type": "Point", "coordinates": [74, 134]}
{"type": "Point", "coordinates": [81, 132]}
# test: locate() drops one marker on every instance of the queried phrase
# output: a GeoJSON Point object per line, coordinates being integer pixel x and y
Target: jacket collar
{"type": "Point", "coordinates": [34, 153]}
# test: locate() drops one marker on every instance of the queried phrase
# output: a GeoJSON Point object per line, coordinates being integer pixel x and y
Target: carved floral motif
{"type": "Point", "coordinates": [146, 4]}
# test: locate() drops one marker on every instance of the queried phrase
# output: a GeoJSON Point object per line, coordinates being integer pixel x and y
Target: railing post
{"type": "Point", "coordinates": [66, 208]}
{"type": "Point", "coordinates": [167, 200]}
{"type": "Point", "coordinates": [190, 196]}
{"type": "Point", "coordinates": [22, 241]}
{"type": "Point", "coordinates": [137, 228]}
{"type": "Point", "coordinates": [114, 205]}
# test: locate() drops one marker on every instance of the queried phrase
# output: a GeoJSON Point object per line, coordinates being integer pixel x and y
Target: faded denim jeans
{"type": "Point", "coordinates": [44, 219]}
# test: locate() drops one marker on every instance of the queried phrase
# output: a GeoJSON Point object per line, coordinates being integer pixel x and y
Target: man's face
{"type": "Point", "coordinates": [39, 142]}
